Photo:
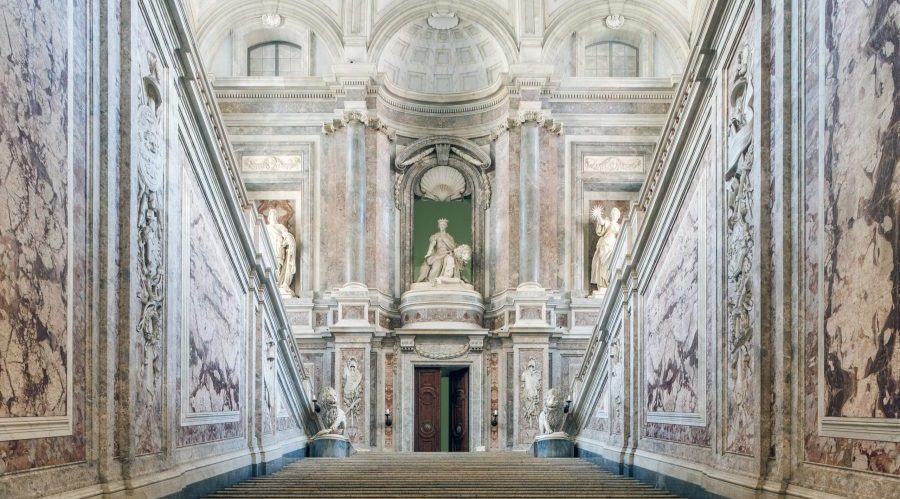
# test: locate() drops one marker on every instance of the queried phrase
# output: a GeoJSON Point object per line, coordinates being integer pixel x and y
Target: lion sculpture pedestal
{"type": "Point", "coordinates": [552, 441]}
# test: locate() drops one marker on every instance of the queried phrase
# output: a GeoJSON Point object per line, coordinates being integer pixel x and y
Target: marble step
{"type": "Point", "coordinates": [438, 476]}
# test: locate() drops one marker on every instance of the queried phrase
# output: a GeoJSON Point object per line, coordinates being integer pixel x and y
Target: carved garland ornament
{"type": "Point", "coordinates": [739, 226]}
{"type": "Point", "coordinates": [151, 174]}
{"type": "Point", "coordinates": [442, 352]}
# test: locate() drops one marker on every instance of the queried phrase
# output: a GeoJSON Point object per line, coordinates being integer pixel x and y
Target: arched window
{"type": "Point", "coordinates": [275, 59]}
{"type": "Point", "coordinates": [611, 59]}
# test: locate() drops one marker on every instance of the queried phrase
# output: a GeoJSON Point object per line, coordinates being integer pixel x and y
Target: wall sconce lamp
{"type": "Point", "coordinates": [316, 406]}
{"type": "Point", "coordinates": [567, 406]}
{"type": "Point", "coordinates": [388, 419]}
{"type": "Point", "coordinates": [494, 417]}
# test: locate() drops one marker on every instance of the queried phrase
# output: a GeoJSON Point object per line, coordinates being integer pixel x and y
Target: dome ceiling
{"type": "Point", "coordinates": [443, 54]}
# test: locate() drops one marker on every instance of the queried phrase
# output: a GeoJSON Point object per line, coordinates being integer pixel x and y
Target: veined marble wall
{"type": "Point", "coordinates": [98, 286]}
{"type": "Point", "coordinates": [216, 324]}
{"type": "Point", "coordinates": [851, 305]}
{"type": "Point", "coordinates": [43, 223]}
{"type": "Point", "coordinates": [798, 260]}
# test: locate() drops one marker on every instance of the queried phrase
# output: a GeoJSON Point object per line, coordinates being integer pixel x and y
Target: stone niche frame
{"type": "Point", "coordinates": [474, 164]}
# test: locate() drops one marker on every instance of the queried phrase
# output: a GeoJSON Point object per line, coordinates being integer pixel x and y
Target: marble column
{"type": "Point", "coordinates": [355, 201]}
{"type": "Point", "coordinates": [529, 197]}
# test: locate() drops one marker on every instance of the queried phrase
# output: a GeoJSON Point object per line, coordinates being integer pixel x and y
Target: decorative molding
{"type": "Point", "coordinates": [880, 429]}
{"type": "Point", "coordinates": [613, 164]}
{"type": "Point", "coordinates": [278, 163]}
{"type": "Point", "coordinates": [677, 418]}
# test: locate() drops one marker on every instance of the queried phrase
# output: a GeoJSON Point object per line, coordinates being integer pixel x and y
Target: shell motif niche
{"type": "Point", "coordinates": [443, 183]}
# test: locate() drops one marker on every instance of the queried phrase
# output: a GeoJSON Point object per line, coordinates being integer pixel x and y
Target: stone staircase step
{"type": "Point", "coordinates": [493, 475]}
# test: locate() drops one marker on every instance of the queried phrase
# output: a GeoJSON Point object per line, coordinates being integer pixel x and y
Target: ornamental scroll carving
{"type": "Point", "coordinates": [151, 179]}
{"type": "Point", "coordinates": [739, 254]}
{"type": "Point", "coordinates": [149, 144]}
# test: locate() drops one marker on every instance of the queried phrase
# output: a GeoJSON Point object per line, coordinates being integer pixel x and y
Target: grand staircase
{"type": "Point", "coordinates": [459, 475]}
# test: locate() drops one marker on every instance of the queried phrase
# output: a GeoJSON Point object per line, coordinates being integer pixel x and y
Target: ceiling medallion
{"type": "Point", "coordinates": [443, 21]}
{"type": "Point", "coordinates": [272, 21]}
{"type": "Point", "coordinates": [615, 21]}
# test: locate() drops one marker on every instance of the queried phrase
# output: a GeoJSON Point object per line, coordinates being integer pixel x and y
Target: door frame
{"type": "Point", "coordinates": [477, 411]}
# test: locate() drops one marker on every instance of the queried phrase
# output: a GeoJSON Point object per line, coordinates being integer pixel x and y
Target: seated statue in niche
{"type": "Point", "coordinates": [444, 261]}
{"type": "Point", "coordinates": [607, 229]}
{"type": "Point", "coordinates": [285, 252]}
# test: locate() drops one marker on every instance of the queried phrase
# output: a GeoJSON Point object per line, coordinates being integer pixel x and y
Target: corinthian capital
{"type": "Point", "coordinates": [531, 116]}
{"type": "Point", "coordinates": [351, 115]}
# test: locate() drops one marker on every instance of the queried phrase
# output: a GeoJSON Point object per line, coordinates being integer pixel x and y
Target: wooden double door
{"type": "Point", "coordinates": [428, 422]}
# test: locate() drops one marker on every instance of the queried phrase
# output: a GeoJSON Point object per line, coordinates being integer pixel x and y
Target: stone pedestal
{"type": "Point", "coordinates": [331, 446]}
{"type": "Point", "coordinates": [557, 444]}
{"type": "Point", "coordinates": [442, 306]}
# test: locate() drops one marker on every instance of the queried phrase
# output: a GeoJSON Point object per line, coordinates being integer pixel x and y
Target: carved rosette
{"type": "Point", "coordinates": [151, 257]}
{"type": "Point", "coordinates": [739, 259]}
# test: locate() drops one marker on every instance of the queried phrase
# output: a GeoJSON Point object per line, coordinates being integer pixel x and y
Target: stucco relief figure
{"type": "Point", "coordinates": [334, 420]}
{"type": "Point", "coordinates": [552, 417]}
{"type": "Point", "coordinates": [531, 391]}
{"type": "Point", "coordinates": [607, 229]}
{"type": "Point", "coordinates": [441, 260]}
{"type": "Point", "coordinates": [285, 251]}
{"type": "Point", "coordinates": [352, 390]}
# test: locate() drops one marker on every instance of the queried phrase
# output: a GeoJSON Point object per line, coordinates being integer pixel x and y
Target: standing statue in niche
{"type": "Point", "coordinates": [607, 229]}
{"type": "Point", "coordinates": [285, 251]}
{"type": "Point", "coordinates": [444, 260]}
{"type": "Point", "coordinates": [531, 391]}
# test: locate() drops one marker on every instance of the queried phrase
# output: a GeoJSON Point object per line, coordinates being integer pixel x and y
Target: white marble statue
{"type": "Point", "coordinates": [285, 252]}
{"type": "Point", "coordinates": [454, 263]}
{"type": "Point", "coordinates": [552, 417]}
{"type": "Point", "coordinates": [531, 391]}
{"type": "Point", "coordinates": [334, 420]}
{"type": "Point", "coordinates": [352, 389]}
{"type": "Point", "coordinates": [607, 229]}
{"type": "Point", "coordinates": [442, 261]}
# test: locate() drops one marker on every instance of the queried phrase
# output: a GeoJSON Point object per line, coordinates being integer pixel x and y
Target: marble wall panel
{"type": "Point", "coordinates": [499, 221]}
{"type": "Point", "coordinates": [671, 314]}
{"type": "Point", "coordinates": [314, 364]}
{"type": "Point", "coordinates": [851, 248]}
{"type": "Point", "coordinates": [214, 354]}
{"type": "Point", "coordinates": [678, 352]}
{"type": "Point", "coordinates": [390, 370]}
{"type": "Point", "coordinates": [552, 230]}
{"type": "Point", "coordinates": [43, 206]}
{"type": "Point", "coordinates": [493, 366]}
{"type": "Point", "coordinates": [333, 233]}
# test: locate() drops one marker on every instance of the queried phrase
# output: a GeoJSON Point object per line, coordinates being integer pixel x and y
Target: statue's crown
{"type": "Point", "coordinates": [443, 220]}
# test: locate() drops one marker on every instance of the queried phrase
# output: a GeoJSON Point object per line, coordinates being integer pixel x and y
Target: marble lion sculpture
{"type": "Point", "coordinates": [552, 417]}
{"type": "Point", "coordinates": [333, 418]}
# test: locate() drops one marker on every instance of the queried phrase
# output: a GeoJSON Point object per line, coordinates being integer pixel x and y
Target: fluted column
{"type": "Point", "coordinates": [355, 200]}
{"type": "Point", "coordinates": [529, 197]}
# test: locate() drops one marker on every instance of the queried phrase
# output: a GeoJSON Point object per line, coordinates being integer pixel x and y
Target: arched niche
{"type": "Point", "coordinates": [411, 164]}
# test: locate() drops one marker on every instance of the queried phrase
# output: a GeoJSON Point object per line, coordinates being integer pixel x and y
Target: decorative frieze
{"type": "Point", "coordinates": [613, 164]}
{"type": "Point", "coordinates": [277, 163]}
